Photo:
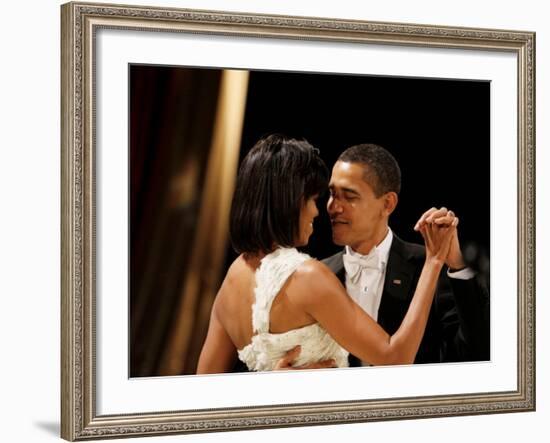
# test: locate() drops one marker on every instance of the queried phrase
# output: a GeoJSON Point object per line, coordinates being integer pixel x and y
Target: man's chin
{"type": "Point", "coordinates": [338, 240]}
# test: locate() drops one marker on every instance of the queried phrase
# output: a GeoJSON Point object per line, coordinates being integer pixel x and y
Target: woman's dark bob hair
{"type": "Point", "coordinates": [275, 179]}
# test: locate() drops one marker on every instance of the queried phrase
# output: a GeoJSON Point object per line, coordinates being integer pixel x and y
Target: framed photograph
{"type": "Point", "coordinates": [160, 107]}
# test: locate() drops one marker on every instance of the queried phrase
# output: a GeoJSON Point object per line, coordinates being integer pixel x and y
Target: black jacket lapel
{"type": "Point", "coordinates": [336, 264]}
{"type": "Point", "coordinates": [401, 270]}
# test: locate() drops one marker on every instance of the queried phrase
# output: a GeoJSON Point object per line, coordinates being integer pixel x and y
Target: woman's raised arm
{"type": "Point", "coordinates": [321, 295]}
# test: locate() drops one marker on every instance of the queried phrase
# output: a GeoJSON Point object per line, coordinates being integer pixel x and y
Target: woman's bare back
{"type": "Point", "coordinates": [236, 297]}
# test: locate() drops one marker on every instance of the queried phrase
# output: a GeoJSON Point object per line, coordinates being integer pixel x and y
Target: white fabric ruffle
{"type": "Point", "coordinates": [266, 349]}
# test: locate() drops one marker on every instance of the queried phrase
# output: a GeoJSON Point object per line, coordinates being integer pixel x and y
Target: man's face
{"type": "Point", "coordinates": [359, 219]}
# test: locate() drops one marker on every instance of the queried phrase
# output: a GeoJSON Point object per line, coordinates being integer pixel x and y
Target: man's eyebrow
{"type": "Point", "coordinates": [346, 190]}
{"type": "Point", "coordinates": [350, 191]}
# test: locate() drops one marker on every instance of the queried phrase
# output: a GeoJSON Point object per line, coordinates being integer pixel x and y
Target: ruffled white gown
{"type": "Point", "coordinates": [266, 349]}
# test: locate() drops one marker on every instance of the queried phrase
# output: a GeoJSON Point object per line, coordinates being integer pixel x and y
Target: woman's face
{"type": "Point", "coordinates": [307, 214]}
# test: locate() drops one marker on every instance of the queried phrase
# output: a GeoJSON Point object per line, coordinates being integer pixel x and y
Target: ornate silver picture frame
{"type": "Point", "coordinates": [82, 416]}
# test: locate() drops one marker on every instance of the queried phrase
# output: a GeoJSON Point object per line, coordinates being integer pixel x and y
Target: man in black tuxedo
{"type": "Point", "coordinates": [381, 271]}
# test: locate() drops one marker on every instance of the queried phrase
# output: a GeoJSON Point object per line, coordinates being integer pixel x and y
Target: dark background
{"type": "Point", "coordinates": [438, 130]}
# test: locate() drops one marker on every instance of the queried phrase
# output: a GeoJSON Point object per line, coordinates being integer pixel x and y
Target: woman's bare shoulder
{"type": "Point", "coordinates": [240, 269]}
{"type": "Point", "coordinates": [312, 269]}
{"type": "Point", "coordinates": [313, 279]}
{"type": "Point", "coordinates": [237, 277]}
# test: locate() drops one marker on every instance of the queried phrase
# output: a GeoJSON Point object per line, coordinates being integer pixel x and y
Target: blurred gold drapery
{"type": "Point", "coordinates": [185, 136]}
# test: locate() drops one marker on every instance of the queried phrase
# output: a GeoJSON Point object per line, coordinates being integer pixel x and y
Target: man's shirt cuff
{"type": "Point", "coordinates": [463, 274]}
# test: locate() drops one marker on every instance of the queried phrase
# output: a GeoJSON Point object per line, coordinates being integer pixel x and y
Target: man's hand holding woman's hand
{"type": "Point", "coordinates": [285, 363]}
{"type": "Point", "coordinates": [445, 219]}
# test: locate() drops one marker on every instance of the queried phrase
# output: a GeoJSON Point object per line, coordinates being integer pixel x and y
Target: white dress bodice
{"type": "Point", "coordinates": [265, 348]}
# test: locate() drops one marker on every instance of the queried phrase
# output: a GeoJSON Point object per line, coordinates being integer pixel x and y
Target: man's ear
{"type": "Point", "coordinates": [390, 202]}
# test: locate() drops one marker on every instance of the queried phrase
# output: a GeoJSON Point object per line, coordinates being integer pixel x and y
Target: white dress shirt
{"type": "Point", "coordinates": [366, 285]}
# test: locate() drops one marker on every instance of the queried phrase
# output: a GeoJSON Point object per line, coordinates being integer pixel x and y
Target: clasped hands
{"type": "Point", "coordinates": [444, 218]}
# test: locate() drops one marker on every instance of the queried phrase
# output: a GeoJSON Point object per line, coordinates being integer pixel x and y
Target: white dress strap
{"type": "Point", "coordinates": [273, 272]}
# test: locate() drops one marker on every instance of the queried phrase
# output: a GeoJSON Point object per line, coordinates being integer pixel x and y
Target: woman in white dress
{"type": "Point", "coordinates": [274, 298]}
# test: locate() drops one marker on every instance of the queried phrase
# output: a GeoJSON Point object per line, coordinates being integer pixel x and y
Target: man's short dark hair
{"type": "Point", "coordinates": [275, 179]}
{"type": "Point", "coordinates": [382, 172]}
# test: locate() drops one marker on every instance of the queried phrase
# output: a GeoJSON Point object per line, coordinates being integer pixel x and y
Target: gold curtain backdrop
{"type": "Point", "coordinates": [185, 135]}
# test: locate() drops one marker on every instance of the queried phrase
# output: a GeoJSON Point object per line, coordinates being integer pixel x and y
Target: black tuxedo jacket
{"type": "Point", "coordinates": [458, 324]}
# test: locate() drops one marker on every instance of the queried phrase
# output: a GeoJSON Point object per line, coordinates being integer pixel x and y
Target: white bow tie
{"type": "Point", "coordinates": [354, 265]}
